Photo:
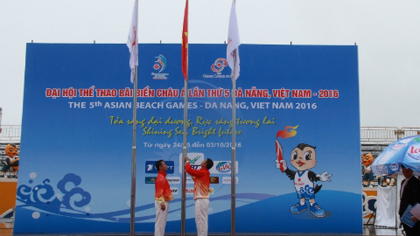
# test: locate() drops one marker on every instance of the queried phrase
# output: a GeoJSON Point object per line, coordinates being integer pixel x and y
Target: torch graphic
{"type": "Point", "coordinates": [279, 154]}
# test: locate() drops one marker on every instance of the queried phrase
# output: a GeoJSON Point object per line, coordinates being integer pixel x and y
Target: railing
{"type": "Point", "coordinates": [410, 131]}
{"type": "Point", "coordinates": [11, 133]}
{"type": "Point", "coordinates": [378, 134]}
{"type": "Point", "coordinates": [386, 134]}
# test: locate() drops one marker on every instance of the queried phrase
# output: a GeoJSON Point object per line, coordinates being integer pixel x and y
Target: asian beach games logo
{"type": "Point", "coordinates": [217, 67]}
{"type": "Point", "coordinates": [159, 66]}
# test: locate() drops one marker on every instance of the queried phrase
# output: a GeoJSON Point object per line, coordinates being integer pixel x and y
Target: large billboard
{"type": "Point", "coordinates": [77, 132]}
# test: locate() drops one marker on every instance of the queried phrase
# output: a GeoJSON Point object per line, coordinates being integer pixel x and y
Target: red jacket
{"type": "Point", "coordinates": [163, 192]}
{"type": "Point", "coordinates": [201, 179]}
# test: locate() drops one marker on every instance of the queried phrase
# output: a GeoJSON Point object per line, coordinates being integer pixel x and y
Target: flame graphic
{"type": "Point", "coordinates": [288, 132]}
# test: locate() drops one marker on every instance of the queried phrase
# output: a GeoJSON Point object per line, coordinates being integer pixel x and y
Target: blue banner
{"type": "Point", "coordinates": [75, 169]}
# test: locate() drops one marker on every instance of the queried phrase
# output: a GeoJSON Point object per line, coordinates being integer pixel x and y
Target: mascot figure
{"type": "Point", "coordinates": [367, 160]}
{"type": "Point", "coordinates": [303, 158]}
{"type": "Point", "coordinates": [12, 160]}
{"type": "Point", "coordinates": [388, 180]}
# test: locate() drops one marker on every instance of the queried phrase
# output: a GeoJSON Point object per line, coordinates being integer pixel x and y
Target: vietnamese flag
{"type": "Point", "coordinates": [185, 44]}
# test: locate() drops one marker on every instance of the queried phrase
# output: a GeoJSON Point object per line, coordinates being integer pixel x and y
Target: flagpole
{"type": "Point", "coordinates": [184, 50]}
{"type": "Point", "coordinates": [133, 48]}
{"type": "Point", "coordinates": [184, 154]}
{"type": "Point", "coordinates": [133, 159]}
{"type": "Point", "coordinates": [232, 56]}
{"type": "Point", "coordinates": [233, 152]}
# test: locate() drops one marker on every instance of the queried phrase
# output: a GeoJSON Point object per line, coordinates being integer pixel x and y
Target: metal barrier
{"type": "Point", "coordinates": [378, 134]}
{"type": "Point", "coordinates": [10, 133]}
{"type": "Point", "coordinates": [410, 131]}
{"type": "Point", "coordinates": [386, 134]}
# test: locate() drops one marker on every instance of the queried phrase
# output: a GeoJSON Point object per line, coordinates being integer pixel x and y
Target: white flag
{"type": "Point", "coordinates": [233, 43]}
{"type": "Point", "coordinates": [132, 42]}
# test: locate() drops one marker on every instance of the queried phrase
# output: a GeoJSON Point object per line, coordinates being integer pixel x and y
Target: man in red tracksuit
{"type": "Point", "coordinates": [163, 195]}
{"type": "Point", "coordinates": [201, 179]}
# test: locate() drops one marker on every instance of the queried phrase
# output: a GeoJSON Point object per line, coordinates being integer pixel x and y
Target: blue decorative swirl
{"type": "Point", "coordinates": [45, 191]}
{"type": "Point", "coordinates": [43, 196]}
{"type": "Point", "coordinates": [76, 180]}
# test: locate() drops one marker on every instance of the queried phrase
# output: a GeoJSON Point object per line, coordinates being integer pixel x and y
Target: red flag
{"type": "Point", "coordinates": [185, 44]}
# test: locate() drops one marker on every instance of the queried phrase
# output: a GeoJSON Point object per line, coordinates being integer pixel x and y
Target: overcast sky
{"type": "Point", "coordinates": [386, 32]}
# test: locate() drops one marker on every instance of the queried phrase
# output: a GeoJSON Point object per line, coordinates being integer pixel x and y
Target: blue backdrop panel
{"type": "Point", "coordinates": [75, 170]}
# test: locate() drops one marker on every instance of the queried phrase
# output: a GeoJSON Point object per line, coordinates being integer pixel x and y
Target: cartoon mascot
{"type": "Point", "coordinates": [388, 180]}
{"type": "Point", "coordinates": [367, 160]}
{"type": "Point", "coordinates": [12, 160]}
{"type": "Point", "coordinates": [303, 158]}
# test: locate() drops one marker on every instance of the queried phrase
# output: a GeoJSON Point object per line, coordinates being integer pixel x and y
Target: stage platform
{"type": "Point", "coordinates": [367, 230]}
